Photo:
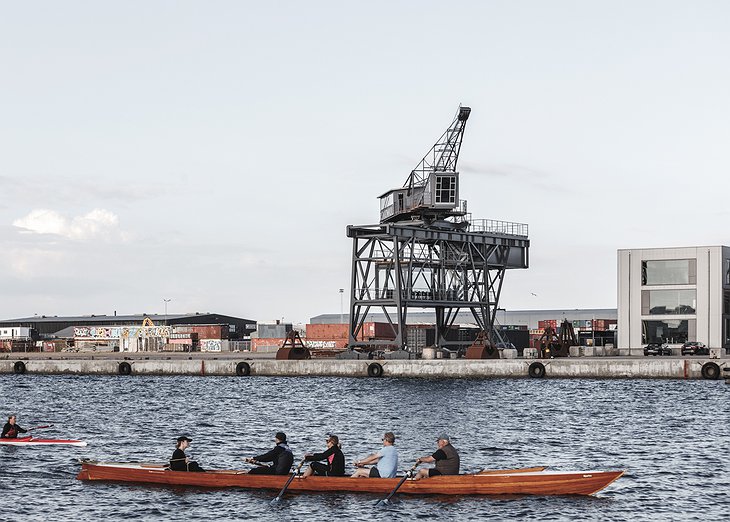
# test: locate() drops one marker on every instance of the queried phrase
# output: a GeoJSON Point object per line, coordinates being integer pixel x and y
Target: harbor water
{"type": "Point", "coordinates": [671, 437]}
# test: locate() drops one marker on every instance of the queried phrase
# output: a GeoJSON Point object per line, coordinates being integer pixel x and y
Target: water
{"type": "Point", "coordinates": [671, 436]}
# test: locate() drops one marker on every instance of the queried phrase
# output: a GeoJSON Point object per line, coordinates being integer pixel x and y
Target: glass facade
{"type": "Point", "coordinates": [672, 331]}
{"type": "Point", "coordinates": [669, 272]}
{"type": "Point", "coordinates": [668, 302]}
{"type": "Point", "coordinates": [727, 272]}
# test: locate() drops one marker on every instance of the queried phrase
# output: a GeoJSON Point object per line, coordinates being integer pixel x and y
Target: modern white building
{"type": "Point", "coordinates": [673, 295]}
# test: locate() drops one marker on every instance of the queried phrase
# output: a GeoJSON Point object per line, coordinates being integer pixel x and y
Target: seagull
{"type": "Point", "coordinates": [533, 293]}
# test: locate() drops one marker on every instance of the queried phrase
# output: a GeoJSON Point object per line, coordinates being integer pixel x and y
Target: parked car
{"type": "Point", "coordinates": [657, 348]}
{"type": "Point", "coordinates": [695, 348]}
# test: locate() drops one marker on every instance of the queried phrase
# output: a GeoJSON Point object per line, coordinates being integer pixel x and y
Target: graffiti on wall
{"type": "Point", "coordinates": [321, 344]}
{"type": "Point", "coordinates": [121, 332]}
{"type": "Point", "coordinates": [211, 345]}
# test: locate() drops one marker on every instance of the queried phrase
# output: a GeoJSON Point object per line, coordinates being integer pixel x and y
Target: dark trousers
{"type": "Point", "coordinates": [320, 469]}
{"type": "Point", "coordinates": [263, 470]}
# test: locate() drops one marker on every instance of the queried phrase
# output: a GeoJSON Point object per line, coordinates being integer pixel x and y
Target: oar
{"type": "Point", "coordinates": [256, 463]}
{"type": "Point", "coordinates": [296, 472]}
{"type": "Point", "coordinates": [409, 473]}
{"type": "Point", "coordinates": [40, 427]}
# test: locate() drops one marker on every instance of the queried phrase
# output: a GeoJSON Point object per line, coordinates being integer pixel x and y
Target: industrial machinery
{"type": "Point", "coordinates": [551, 344]}
{"type": "Point", "coordinates": [427, 253]}
{"type": "Point", "coordinates": [293, 348]}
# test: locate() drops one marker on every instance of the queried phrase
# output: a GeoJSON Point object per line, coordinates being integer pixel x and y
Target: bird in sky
{"type": "Point", "coordinates": [533, 293]}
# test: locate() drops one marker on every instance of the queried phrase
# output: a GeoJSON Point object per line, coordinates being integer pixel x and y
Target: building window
{"type": "Point", "coordinates": [727, 271]}
{"type": "Point", "coordinates": [446, 189]}
{"type": "Point", "coordinates": [673, 331]}
{"type": "Point", "coordinates": [669, 272]}
{"type": "Point", "coordinates": [668, 302]}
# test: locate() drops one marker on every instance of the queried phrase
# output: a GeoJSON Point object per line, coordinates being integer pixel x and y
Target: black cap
{"type": "Point", "coordinates": [184, 438]}
{"type": "Point", "coordinates": [280, 436]}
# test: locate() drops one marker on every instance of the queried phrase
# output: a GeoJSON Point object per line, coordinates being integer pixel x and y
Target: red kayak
{"type": "Point", "coordinates": [32, 441]}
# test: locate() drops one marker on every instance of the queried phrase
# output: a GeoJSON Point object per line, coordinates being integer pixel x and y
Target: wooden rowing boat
{"type": "Point", "coordinates": [31, 441]}
{"type": "Point", "coordinates": [499, 482]}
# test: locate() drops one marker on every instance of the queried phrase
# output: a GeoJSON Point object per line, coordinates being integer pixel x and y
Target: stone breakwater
{"type": "Point", "coordinates": [246, 365]}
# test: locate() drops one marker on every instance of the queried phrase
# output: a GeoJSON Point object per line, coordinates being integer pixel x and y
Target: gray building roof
{"type": "Point", "coordinates": [529, 318]}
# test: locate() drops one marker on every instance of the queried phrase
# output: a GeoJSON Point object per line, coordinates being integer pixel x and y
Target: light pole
{"type": "Point", "coordinates": [342, 317]}
{"type": "Point", "coordinates": [166, 301]}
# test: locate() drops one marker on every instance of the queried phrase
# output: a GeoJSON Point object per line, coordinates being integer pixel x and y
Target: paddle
{"type": "Point", "coordinates": [409, 473]}
{"type": "Point", "coordinates": [296, 472]}
{"type": "Point", "coordinates": [40, 427]}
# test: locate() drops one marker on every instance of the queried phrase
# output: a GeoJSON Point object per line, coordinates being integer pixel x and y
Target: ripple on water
{"type": "Point", "coordinates": [668, 435]}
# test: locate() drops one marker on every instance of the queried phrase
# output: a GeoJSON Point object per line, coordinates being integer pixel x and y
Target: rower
{"type": "Point", "coordinates": [446, 458]}
{"type": "Point", "coordinates": [335, 466]}
{"type": "Point", "coordinates": [281, 458]}
{"type": "Point", "coordinates": [180, 461]}
{"type": "Point", "coordinates": [11, 429]}
{"type": "Point", "coordinates": [386, 460]}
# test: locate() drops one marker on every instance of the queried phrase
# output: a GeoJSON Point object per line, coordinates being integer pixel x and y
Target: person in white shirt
{"type": "Point", "coordinates": [386, 461]}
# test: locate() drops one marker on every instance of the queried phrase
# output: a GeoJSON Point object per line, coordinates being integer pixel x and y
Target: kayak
{"type": "Point", "coordinates": [31, 441]}
{"type": "Point", "coordinates": [499, 482]}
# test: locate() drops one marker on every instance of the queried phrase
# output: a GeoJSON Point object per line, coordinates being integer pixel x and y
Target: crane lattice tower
{"type": "Point", "coordinates": [427, 253]}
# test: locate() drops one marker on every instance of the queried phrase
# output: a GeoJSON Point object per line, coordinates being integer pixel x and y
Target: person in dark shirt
{"type": "Point", "coordinates": [446, 459]}
{"type": "Point", "coordinates": [281, 458]}
{"type": "Point", "coordinates": [11, 430]}
{"type": "Point", "coordinates": [335, 466]}
{"type": "Point", "coordinates": [180, 461]}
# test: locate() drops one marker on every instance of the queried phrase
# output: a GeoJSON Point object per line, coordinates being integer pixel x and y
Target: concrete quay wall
{"type": "Point", "coordinates": [232, 365]}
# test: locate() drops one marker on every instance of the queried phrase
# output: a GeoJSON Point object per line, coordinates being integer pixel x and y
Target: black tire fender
{"type": "Point", "coordinates": [375, 370]}
{"type": "Point", "coordinates": [710, 371]}
{"type": "Point", "coordinates": [243, 369]}
{"type": "Point", "coordinates": [19, 367]}
{"type": "Point", "coordinates": [124, 368]}
{"type": "Point", "coordinates": [536, 370]}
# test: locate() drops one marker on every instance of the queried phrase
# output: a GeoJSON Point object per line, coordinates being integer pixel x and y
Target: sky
{"type": "Point", "coordinates": [213, 153]}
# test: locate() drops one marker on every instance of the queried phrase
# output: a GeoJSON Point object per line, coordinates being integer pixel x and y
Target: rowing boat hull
{"type": "Point", "coordinates": [30, 441]}
{"type": "Point", "coordinates": [507, 482]}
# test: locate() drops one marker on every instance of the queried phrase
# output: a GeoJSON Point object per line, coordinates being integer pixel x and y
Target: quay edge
{"type": "Point", "coordinates": [242, 366]}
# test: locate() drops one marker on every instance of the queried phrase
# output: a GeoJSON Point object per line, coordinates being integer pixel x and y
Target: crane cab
{"type": "Point", "coordinates": [438, 197]}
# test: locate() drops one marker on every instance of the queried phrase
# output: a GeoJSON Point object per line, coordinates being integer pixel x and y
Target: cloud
{"type": "Point", "coordinates": [99, 223]}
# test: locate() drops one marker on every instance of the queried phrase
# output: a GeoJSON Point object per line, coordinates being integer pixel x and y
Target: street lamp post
{"type": "Point", "coordinates": [166, 301]}
{"type": "Point", "coordinates": [342, 316]}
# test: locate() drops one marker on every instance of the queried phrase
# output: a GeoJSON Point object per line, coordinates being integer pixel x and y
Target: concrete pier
{"type": "Point", "coordinates": [248, 365]}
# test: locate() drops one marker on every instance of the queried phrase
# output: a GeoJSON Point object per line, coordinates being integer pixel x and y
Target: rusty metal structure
{"type": "Point", "coordinates": [551, 344]}
{"type": "Point", "coordinates": [427, 252]}
{"type": "Point", "coordinates": [293, 348]}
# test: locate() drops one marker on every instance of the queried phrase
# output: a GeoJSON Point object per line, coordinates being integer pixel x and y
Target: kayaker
{"type": "Point", "coordinates": [11, 429]}
{"type": "Point", "coordinates": [335, 466]}
{"type": "Point", "coordinates": [281, 458]}
{"type": "Point", "coordinates": [180, 461]}
{"type": "Point", "coordinates": [386, 460]}
{"type": "Point", "coordinates": [446, 459]}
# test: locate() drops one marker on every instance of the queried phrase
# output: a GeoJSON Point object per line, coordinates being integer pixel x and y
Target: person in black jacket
{"type": "Point", "coordinates": [335, 466]}
{"type": "Point", "coordinates": [179, 461]}
{"type": "Point", "coordinates": [281, 458]}
{"type": "Point", "coordinates": [11, 430]}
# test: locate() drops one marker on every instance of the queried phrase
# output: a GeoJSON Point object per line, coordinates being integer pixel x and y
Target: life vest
{"type": "Point", "coordinates": [449, 465]}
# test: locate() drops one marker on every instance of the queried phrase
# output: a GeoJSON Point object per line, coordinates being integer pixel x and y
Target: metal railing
{"type": "Point", "coordinates": [498, 227]}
